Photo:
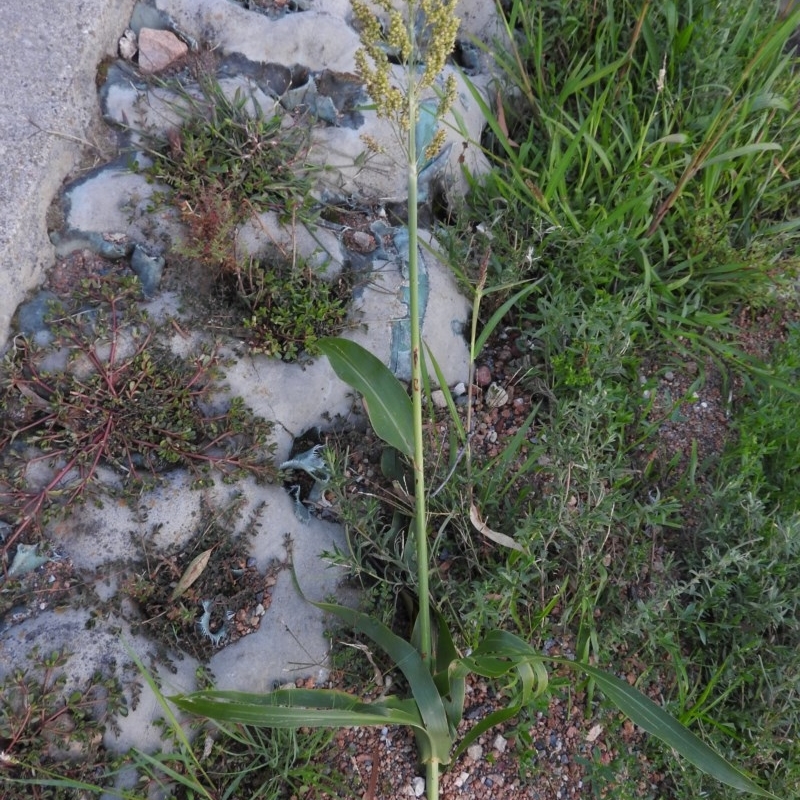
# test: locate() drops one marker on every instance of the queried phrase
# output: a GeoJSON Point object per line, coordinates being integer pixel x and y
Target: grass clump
{"type": "Point", "coordinates": [106, 393]}
{"type": "Point", "coordinates": [619, 153]}
{"type": "Point", "coordinates": [768, 434]}
{"type": "Point", "coordinates": [736, 612]}
{"type": "Point", "coordinates": [229, 161]}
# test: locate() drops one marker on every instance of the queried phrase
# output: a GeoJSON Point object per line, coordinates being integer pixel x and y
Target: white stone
{"type": "Point", "coordinates": [500, 743]}
{"type": "Point", "coordinates": [320, 247]}
{"type": "Point", "coordinates": [475, 752]}
{"type": "Point", "coordinates": [317, 38]}
{"type": "Point", "coordinates": [116, 199]}
{"type": "Point", "coordinates": [438, 398]}
{"type": "Point", "coordinates": [496, 396]}
{"type": "Point", "coordinates": [127, 45]}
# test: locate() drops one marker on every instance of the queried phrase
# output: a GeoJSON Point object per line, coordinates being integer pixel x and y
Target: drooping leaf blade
{"type": "Point", "coordinates": [657, 722]}
{"type": "Point", "coordinates": [388, 403]}
{"type": "Point", "coordinates": [294, 708]}
{"type": "Point", "coordinates": [455, 419]}
{"type": "Point", "coordinates": [417, 673]}
{"type": "Point", "coordinates": [500, 647]}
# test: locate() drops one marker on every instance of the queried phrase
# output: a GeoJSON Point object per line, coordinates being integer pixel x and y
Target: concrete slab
{"type": "Point", "coordinates": [48, 111]}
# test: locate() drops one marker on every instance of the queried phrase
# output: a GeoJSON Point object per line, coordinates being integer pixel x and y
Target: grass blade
{"type": "Point", "coordinates": [417, 673]}
{"type": "Point", "coordinates": [294, 708]}
{"type": "Point", "coordinates": [657, 722]}
{"type": "Point", "coordinates": [499, 315]}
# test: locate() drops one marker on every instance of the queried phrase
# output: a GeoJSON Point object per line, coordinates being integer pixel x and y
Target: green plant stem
{"type": "Point", "coordinates": [432, 780]}
{"type": "Point", "coordinates": [420, 509]}
{"type": "Point", "coordinates": [420, 516]}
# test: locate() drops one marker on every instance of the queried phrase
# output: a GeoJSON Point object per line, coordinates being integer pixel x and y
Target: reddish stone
{"type": "Point", "coordinates": [483, 375]}
{"type": "Point", "coordinates": [159, 49]}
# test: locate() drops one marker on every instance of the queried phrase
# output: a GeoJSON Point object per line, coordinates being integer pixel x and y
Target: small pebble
{"type": "Point", "coordinates": [496, 396]}
{"type": "Point", "coordinates": [669, 376]}
{"type": "Point", "coordinates": [127, 45]}
{"type": "Point", "coordinates": [418, 784]}
{"type": "Point", "coordinates": [475, 752]}
{"type": "Point", "coordinates": [500, 743]}
{"type": "Point", "coordinates": [438, 398]}
{"type": "Point", "coordinates": [459, 389]}
{"type": "Point", "coordinates": [364, 240]}
{"type": "Point", "coordinates": [483, 375]}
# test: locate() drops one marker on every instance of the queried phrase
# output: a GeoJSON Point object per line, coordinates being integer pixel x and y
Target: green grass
{"type": "Point", "coordinates": [650, 208]}
{"type": "Point", "coordinates": [682, 188]}
{"type": "Point", "coordinates": [229, 159]}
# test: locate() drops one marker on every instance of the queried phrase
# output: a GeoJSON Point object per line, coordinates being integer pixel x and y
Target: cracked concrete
{"type": "Point", "coordinates": [53, 77]}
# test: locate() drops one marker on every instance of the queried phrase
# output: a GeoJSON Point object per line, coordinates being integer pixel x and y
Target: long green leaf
{"type": "Point", "coordinates": [496, 655]}
{"type": "Point", "coordinates": [451, 688]}
{"type": "Point", "coordinates": [738, 152]}
{"type": "Point", "coordinates": [486, 724]}
{"type": "Point", "coordinates": [296, 708]}
{"type": "Point", "coordinates": [653, 719]}
{"type": "Point", "coordinates": [448, 395]}
{"type": "Point", "coordinates": [499, 645]}
{"type": "Point", "coordinates": [388, 403]}
{"type": "Point", "coordinates": [417, 673]}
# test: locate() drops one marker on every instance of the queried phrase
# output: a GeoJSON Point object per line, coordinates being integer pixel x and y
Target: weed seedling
{"type": "Point", "coordinates": [47, 727]}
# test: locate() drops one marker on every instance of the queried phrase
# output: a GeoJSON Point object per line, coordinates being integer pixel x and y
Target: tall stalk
{"type": "Point", "coordinates": [418, 460]}
{"type": "Point", "coordinates": [424, 62]}
{"type": "Point", "coordinates": [424, 58]}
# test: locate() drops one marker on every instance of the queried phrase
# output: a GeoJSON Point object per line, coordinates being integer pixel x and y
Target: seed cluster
{"type": "Point", "coordinates": [421, 39]}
